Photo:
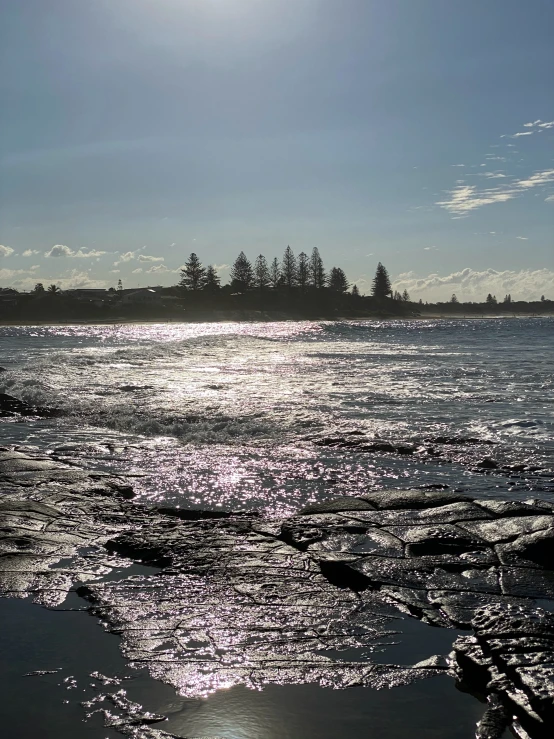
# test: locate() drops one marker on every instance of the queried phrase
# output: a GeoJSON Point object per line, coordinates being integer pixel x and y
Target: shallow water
{"type": "Point", "coordinates": [72, 644]}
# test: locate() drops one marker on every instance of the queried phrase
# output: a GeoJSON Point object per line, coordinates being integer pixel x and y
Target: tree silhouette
{"type": "Point", "coordinates": [355, 291]}
{"type": "Point", "coordinates": [242, 276]}
{"type": "Point", "coordinates": [454, 299]}
{"type": "Point", "coordinates": [193, 274]}
{"type": "Point", "coordinates": [275, 274]}
{"type": "Point", "coordinates": [262, 279]}
{"type": "Point", "coordinates": [39, 289]}
{"type": "Point", "coordinates": [337, 280]}
{"type": "Point", "coordinates": [53, 290]}
{"type": "Point", "coordinates": [289, 268]}
{"type": "Point", "coordinates": [491, 301]}
{"type": "Point", "coordinates": [211, 281]}
{"type": "Point", "coordinates": [303, 271]}
{"type": "Point", "coordinates": [406, 296]}
{"type": "Point", "coordinates": [317, 272]}
{"type": "Point", "coordinates": [381, 287]}
{"type": "Point", "coordinates": [119, 285]}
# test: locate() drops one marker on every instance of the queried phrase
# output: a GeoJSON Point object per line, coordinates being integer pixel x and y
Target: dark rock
{"type": "Point", "coordinates": [495, 721]}
{"type": "Point", "coordinates": [338, 504]}
{"type": "Point", "coordinates": [10, 406]}
{"type": "Point", "coordinates": [391, 499]}
{"type": "Point", "coordinates": [487, 464]}
{"type": "Point", "coordinates": [536, 548]}
{"type": "Point", "coordinates": [460, 440]}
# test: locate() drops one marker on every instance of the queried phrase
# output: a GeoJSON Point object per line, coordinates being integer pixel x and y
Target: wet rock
{"type": "Point", "coordinates": [536, 548]}
{"type": "Point", "coordinates": [339, 504]}
{"type": "Point", "coordinates": [391, 499]}
{"type": "Point", "coordinates": [487, 464]}
{"type": "Point", "coordinates": [495, 721]}
{"type": "Point", "coordinates": [10, 406]}
{"type": "Point", "coordinates": [507, 529]}
{"type": "Point", "coordinates": [237, 599]}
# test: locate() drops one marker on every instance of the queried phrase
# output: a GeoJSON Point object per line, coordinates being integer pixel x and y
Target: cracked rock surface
{"type": "Point", "coordinates": [237, 599]}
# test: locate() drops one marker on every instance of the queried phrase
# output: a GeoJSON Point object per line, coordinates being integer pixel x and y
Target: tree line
{"type": "Point", "coordinates": [302, 272]}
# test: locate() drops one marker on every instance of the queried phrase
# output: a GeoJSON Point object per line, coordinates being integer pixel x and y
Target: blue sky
{"type": "Point", "coordinates": [137, 131]}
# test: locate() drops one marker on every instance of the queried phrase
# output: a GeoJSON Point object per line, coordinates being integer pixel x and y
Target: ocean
{"type": "Point", "coordinates": [260, 415]}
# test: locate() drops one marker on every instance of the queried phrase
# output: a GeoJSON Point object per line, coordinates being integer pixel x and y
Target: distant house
{"type": "Point", "coordinates": [142, 296]}
{"type": "Point", "coordinates": [89, 295]}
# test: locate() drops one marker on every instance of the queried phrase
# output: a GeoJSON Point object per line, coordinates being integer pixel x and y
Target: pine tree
{"type": "Point", "coordinates": [317, 272]}
{"type": "Point", "coordinates": [406, 296]}
{"type": "Point", "coordinates": [491, 301]}
{"type": "Point", "coordinates": [289, 268]}
{"type": "Point", "coordinates": [212, 280]}
{"type": "Point", "coordinates": [193, 274]}
{"type": "Point", "coordinates": [397, 295]}
{"type": "Point", "coordinates": [382, 287]}
{"type": "Point", "coordinates": [303, 271]}
{"type": "Point", "coordinates": [337, 280]}
{"type": "Point", "coordinates": [454, 298]}
{"type": "Point", "coordinates": [355, 291]}
{"type": "Point", "coordinates": [262, 279]}
{"type": "Point", "coordinates": [39, 289]}
{"type": "Point", "coordinates": [275, 274]}
{"type": "Point", "coordinates": [119, 285]}
{"type": "Point", "coordinates": [242, 276]}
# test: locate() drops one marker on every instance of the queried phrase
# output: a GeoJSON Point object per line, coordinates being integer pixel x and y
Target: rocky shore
{"type": "Point", "coordinates": [234, 598]}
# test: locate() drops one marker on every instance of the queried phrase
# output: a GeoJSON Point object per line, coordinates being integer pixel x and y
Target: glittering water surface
{"type": "Point", "coordinates": [231, 415]}
{"type": "Point", "coordinates": [269, 417]}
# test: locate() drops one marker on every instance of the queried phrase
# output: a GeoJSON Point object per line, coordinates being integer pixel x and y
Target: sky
{"type": "Point", "coordinates": [418, 133]}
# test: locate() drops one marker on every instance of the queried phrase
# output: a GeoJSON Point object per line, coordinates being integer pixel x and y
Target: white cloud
{"type": "Point", "coordinates": [148, 258]}
{"type": "Point", "coordinates": [530, 125]}
{"type": "Point", "coordinates": [549, 199]}
{"type": "Point", "coordinates": [473, 285]}
{"type": "Point", "coordinates": [29, 253]}
{"type": "Point", "coordinates": [26, 279]}
{"type": "Point", "coordinates": [522, 238]}
{"type": "Point", "coordinates": [126, 257]}
{"type": "Point", "coordinates": [158, 268]}
{"type": "Point", "coordinates": [5, 251]}
{"type": "Point", "coordinates": [457, 165]}
{"type": "Point", "coordinates": [92, 254]}
{"type": "Point", "coordinates": [61, 250]}
{"type": "Point", "coordinates": [137, 271]}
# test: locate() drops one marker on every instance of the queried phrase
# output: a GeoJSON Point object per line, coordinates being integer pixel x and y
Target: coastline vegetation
{"type": "Point", "coordinates": [294, 288]}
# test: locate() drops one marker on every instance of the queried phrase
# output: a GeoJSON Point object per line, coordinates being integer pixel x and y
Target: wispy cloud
{"type": "Point", "coordinates": [5, 251]}
{"type": "Point", "coordinates": [522, 238]}
{"type": "Point", "coordinates": [148, 258]}
{"type": "Point", "coordinates": [549, 199]}
{"type": "Point", "coordinates": [30, 253]}
{"type": "Point", "coordinates": [466, 198]}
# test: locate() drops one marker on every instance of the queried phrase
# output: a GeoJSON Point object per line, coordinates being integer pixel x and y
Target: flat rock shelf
{"type": "Point", "coordinates": [204, 600]}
